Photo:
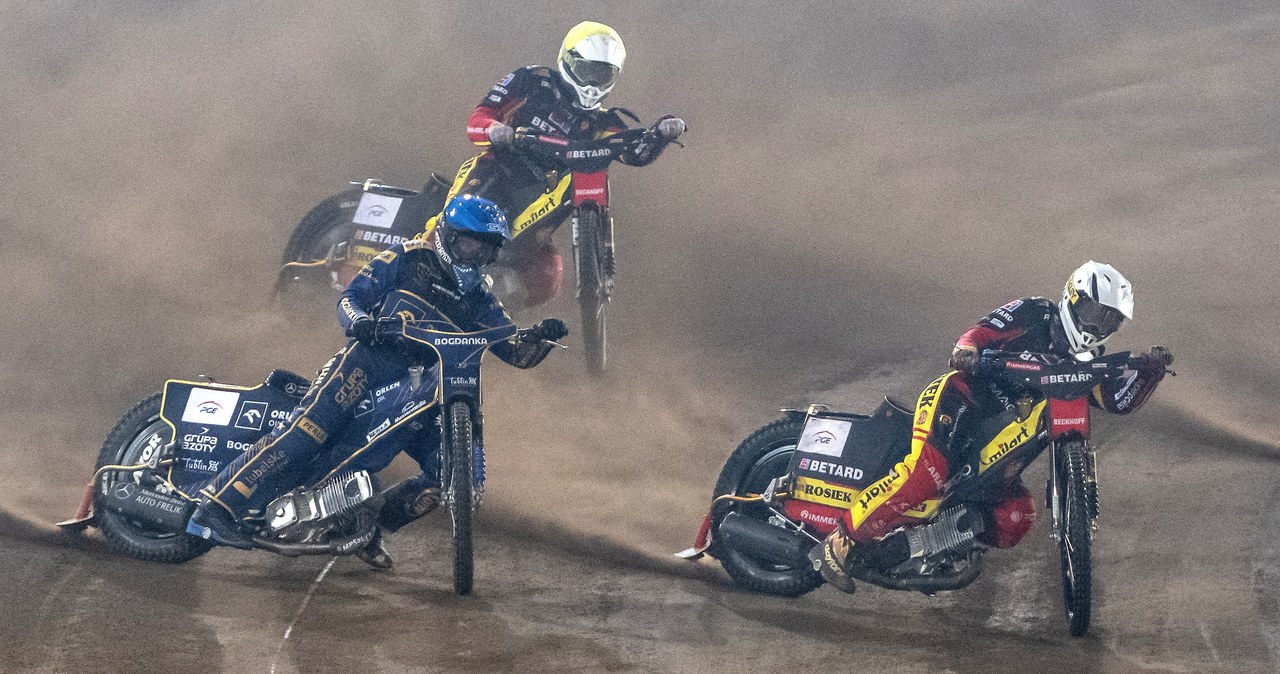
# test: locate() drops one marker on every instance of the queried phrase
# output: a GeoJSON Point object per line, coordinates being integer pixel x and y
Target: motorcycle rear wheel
{"type": "Point", "coordinates": [460, 495]}
{"type": "Point", "coordinates": [589, 263]}
{"type": "Point", "coordinates": [124, 446]}
{"type": "Point", "coordinates": [764, 455]}
{"type": "Point", "coordinates": [1076, 536]}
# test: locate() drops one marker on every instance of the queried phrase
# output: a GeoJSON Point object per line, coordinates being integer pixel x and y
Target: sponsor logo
{"type": "Point", "coordinates": [365, 407]}
{"type": "Point", "coordinates": [383, 391]}
{"type": "Point", "coordinates": [268, 461]}
{"type": "Point", "coordinates": [376, 210]}
{"type": "Point", "coordinates": [1010, 307]}
{"type": "Point", "coordinates": [1069, 378]}
{"type": "Point", "coordinates": [208, 406]}
{"type": "Point", "coordinates": [832, 469]}
{"type": "Point", "coordinates": [1003, 314]}
{"type": "Point", "coordinates": [381, 237]}
{"type": "Point", "coordinates": [202, 465]}
{"type": "Point", "coordinates": [996, 322]}
{"type": "Point", "coordinates": [312, 429]}
{"type": "Point", "coordinates": [373, 433]}
{"type": "Point", "coordinates": [244, 489]}
{"type": "Point", "coordinates": [827, 493]}
{"type": "Point", "coordinates": [1003, 448]}
{"type": "Point", "coordinates": [824, 437]}
{"type": "Point", "coordinates": [252, 414]}
{"type": "Point", "coordinates": [239, 446]}
{"type": "Point", "coordinates": [878, 489]}
{"type": "Point", "coordinates": [500, 89]}
{"type": "Point", "coordinates": [590, 192]}
{"type": "Point", "coordinates": [352, 388]}
{"type": "Point", "coordinates": [460, 341]}
{"type": "Point", "coordinates": [588, 154]}
{"type": "Point", "coordinates": [818, 519]}
{"type": "Point", "coordinates": [409, 408]}
{"type": "Point", "coordinates": [1016, 365]}
{"type": "Point", "coordinates": [495, 98]}
{"type": "Point", "coordinates": [199, 441]}
{"type": "Point", "coordinates": [463, 381]}
{"type": "Point", "coordinates": [1074, 421]}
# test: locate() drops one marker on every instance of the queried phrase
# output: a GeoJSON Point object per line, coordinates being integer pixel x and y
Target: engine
{"type": "Point", "coordinates": [336, 506]}
{"type": "Point", "coordinates": [922, 550]}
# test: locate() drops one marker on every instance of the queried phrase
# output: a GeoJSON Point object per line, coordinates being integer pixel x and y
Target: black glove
{"type": "Point", "coordinates": [363, 329]}
{"type": "Point", "coordinates": [1156, 360]}
{"type": "Point", "coordinates": [551, 329]}
{"type": "Point", "coordinates": [964, 358]}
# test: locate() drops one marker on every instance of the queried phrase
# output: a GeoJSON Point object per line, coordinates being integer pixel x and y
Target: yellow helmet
{"type": "Point", "coordinates": [591, 57]}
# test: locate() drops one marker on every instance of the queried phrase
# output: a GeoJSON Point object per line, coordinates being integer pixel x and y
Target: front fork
{"type": "Point", "coordinates": [1054, 488]}
{"type": "Point", "coordinates": [608, 266]}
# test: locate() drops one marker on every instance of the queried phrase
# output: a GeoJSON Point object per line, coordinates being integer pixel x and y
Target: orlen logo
{"type": "Point", "coordinates": [460, 341]}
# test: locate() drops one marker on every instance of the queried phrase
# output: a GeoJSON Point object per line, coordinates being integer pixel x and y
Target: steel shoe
{"type": "Point", "coordinates": [829, 558]}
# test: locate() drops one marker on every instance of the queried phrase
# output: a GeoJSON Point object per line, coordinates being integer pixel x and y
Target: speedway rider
{"type": "Point", "coordinates": [1096, 301]}
{"type": "Point", "coordinates": [564, 101]}
{"type": "Point", "coordinates": [445, 270]}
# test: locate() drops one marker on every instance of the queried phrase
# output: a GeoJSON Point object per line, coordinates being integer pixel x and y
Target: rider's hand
{"type": "Point", "coordinates": [363, 329]}
{"type": "Point", "coordinates": [551, 329]}
{"type": "Point", "coordinates": [501, 135]}
{"type": "Point", "coordinates": [670, 128]}
{"type": "Point", "coordinates": [1157, 360]}
{"type": "Point", "coordinates": [964, 358]}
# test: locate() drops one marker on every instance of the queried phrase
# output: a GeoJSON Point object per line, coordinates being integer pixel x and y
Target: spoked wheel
{"type": "Point", "coordinates": [459, 493]}
{"type": "Point", "coordinates": [132, 442]}
{"type": "Point", "coordinates": [589, 263]}
{"type": "Point", "coordinates": [320, 230]}
{"type": "Point", "coordinates": [763, 456]}
{"type": "Point", "coordinates": [1076, 535]}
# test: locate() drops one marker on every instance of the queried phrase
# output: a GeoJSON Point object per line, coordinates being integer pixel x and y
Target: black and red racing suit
{"type": "Point", "coordinates": [1028, 324]}
{"type": "Point", "coordinates": [535, 97]}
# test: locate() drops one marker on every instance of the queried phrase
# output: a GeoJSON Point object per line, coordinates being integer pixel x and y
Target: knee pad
{"type": "Point", "coordinates": [542, 274]}
{"type": "Point", "coordinates": [1011, 520]}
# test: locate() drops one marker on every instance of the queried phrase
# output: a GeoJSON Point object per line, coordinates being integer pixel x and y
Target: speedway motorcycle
{"type": "Point", "coordinates": [793, 481]}
{"type": "Point", "coordinates": [343, 233]}
{"type": "Point", "coordinates": [156, 459]}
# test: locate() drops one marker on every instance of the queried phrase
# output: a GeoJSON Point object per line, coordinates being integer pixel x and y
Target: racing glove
{"type": "Point", "coordinates": [1154, 362]}
{"type": "Point", "coordinates": [363, 329]}
{"type": "Point", "coordinates": [670, 128]}
{"type": "Point", "coordinates": [501, 135]}
{"type": "Point", "coordinates": [964, 358]}
{"type": "Point", "coordinates": [551, 329]}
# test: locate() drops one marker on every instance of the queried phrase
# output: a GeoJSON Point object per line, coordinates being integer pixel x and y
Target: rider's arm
{"type": "Point", "coordinates": [369, 286]}
{"type": "Point", "coordinates": [499, 105]}
{"type": "Point", "coordinates": [1128, 393]}
{"type": "Point", "coordinates": [992, 332]}
{"type": "Point", "coordinates": [645, 152]}
{"type": "Point", "coordinates": [520, 354]}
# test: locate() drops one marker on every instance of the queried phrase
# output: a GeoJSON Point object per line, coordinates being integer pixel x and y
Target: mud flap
{"type": "Point", "coordinates": [700, 543]}
{"type": "Point", "coordinates": [84, 517]}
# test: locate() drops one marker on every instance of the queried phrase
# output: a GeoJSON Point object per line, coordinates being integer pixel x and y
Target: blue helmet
{"type": "Point", "coordinates": [469, 234]}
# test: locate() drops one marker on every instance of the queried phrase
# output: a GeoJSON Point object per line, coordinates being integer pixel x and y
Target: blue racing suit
{"type": "Point", "coordinates": [313, 444]}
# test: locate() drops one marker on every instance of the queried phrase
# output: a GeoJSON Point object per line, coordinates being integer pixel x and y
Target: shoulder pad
{"type": "Point", "coordinates": [539, 71]}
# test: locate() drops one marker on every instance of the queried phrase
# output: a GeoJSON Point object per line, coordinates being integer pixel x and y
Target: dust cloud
{"type": "Point", "coordinates": [858, 186]}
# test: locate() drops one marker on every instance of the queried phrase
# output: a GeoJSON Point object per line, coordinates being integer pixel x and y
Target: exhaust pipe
{"type": "Point", "coordinates": [763, 541]}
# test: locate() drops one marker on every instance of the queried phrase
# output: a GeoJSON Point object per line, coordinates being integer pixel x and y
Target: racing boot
{"type": "Point", "coordinates": [407, 501]}
{"type": "Point", "coordinates": [830, 558]}
{"type": "Point", "coordinates": [212, 522]}
{"type": "Point", "coordinates": [375, 554]}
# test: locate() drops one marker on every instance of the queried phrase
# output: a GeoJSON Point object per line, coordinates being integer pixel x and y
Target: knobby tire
{"type": "Point", "coordinates": [461, 502]}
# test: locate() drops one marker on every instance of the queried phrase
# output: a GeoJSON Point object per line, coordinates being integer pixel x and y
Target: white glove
{"type": "Point", "coordinates": [501, 135]}
{"type": "Point", "coordinates": [670, 128]}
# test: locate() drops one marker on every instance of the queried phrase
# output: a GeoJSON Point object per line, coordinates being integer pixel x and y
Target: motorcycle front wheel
{"type": "Point", "coordinates": [140, 431]}
{"type": "Point", "coordinates": [1075, 538]}
{"type": "Point", "coordinates": [589, 264]}
{"type": "Point", "coordinates": [763, 456]}
{"type": "Point", "coordinates": [459, 493]}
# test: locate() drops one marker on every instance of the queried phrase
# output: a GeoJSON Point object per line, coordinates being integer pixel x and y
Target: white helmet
{"type": "Point", "coordinates": [591, 57]}
{"type": "Point", "coordinates": [1094, 304]}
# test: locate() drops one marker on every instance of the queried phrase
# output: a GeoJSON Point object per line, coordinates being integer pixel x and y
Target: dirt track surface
{"type": "Point", "coordinates": [859, 186]}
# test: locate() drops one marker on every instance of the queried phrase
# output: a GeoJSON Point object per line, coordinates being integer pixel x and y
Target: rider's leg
{"type": "Point", "coordinates": [915, 479]}
{"type": "Point", "coordinates": [280, 460]}
{"type": "Point", "coordinates": [542, 273]}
